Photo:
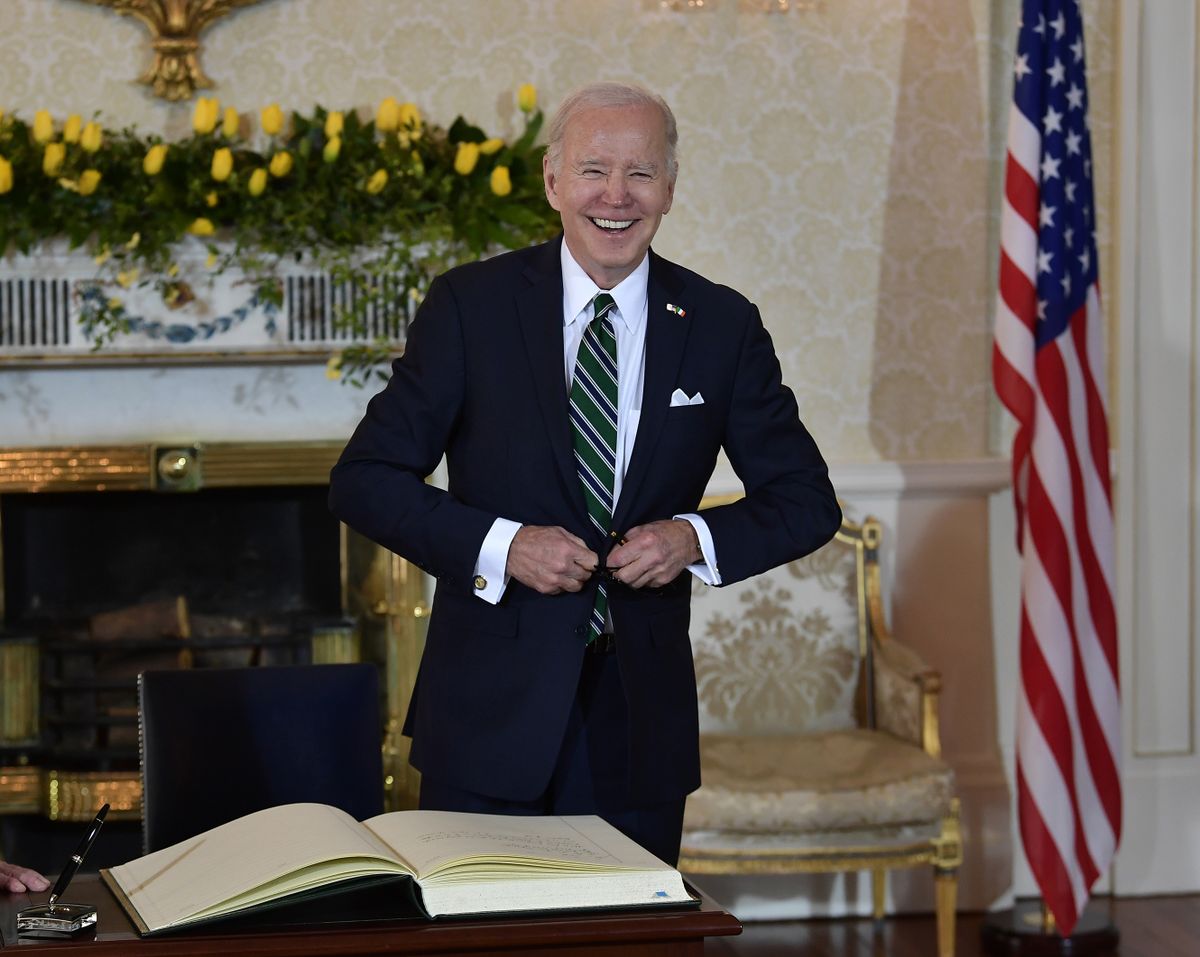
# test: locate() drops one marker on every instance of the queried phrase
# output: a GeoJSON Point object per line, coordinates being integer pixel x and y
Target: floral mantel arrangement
{"type": "Point", "coordinates": [390, 197]}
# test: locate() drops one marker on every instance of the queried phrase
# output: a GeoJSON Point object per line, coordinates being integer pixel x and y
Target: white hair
{"type": "Point", "coordinates": [597, 96]}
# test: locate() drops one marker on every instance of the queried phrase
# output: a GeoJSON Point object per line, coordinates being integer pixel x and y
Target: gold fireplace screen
{"type": "Point", "coordinates": [381, 593]}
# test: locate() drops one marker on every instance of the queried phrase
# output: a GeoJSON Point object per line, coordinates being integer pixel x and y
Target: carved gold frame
{"type": "Point", "coordinates": [175, 27]}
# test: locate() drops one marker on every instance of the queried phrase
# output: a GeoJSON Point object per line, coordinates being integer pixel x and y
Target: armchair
{"type": "Point", "coordinates": [819, 744]}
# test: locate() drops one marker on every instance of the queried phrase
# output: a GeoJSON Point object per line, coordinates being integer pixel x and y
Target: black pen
{"type": "Point", "coordinates": [85, 845]}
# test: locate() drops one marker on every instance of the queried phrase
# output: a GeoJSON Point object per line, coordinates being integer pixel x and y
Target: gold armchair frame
{"type": "Point", "coordinates": [914, 722]}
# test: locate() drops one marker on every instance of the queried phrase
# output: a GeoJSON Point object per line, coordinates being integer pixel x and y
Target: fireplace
{"type": "Point", "coordinates": [116, 560]}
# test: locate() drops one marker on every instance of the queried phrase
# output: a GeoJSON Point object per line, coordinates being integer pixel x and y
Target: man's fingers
{"type": "Point", "coordinates": [652, 555]}
{"type": "Point", "coordinates": [549, 559]}
{"type": "Point", "coordinates": [17, 880]}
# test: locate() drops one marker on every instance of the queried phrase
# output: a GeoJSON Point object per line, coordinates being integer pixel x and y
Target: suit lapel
{"type": "Point", "coordinates": [666, 337]}
{"type": "Point", "coordinates": [540, 309]}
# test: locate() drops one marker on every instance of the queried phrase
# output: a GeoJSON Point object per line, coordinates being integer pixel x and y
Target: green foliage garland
{"type": "Point", "coordinates": [390, 197]}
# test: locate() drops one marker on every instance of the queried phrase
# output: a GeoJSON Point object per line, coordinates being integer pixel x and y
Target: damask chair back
{"type": "Point", "coordinates": [788, 656]}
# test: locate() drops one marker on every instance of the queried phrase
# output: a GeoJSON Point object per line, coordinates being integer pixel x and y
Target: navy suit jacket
{"type": "Point", "coordinates": [481, 380]}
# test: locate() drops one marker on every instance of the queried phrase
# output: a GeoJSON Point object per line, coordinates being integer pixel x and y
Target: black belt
{"type": "Point", "coordinates": [604, 644]}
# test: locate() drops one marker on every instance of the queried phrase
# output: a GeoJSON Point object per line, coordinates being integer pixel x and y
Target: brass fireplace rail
{"type": "Point", "coordinates": [380, 591]}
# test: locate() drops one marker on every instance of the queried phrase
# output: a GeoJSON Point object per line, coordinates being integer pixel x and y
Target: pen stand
{"type": "Point", "coordinates": [59, 919]}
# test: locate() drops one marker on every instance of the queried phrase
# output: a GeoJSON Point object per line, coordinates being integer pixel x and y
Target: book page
{"type": "Point", "coordinates": [435, 842]}
{"type": "Point", "coordinates": [245, 855]}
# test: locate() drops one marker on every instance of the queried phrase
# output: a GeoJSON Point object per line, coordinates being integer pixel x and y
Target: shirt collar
{"type": "Point", "coordinates": [579, 289]}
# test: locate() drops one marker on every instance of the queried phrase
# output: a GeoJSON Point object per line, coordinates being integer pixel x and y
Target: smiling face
{"type": "Point", "coordinates": [612, 188]}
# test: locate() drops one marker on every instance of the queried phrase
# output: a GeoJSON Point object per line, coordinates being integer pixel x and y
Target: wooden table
{"type": "Point", "coordinates": [656, 933]}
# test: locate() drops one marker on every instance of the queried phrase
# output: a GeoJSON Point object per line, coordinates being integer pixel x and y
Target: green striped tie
{"type": "Point", "coordinates": [594, 425]}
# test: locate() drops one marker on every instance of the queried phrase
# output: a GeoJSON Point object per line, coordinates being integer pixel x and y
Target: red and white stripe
{"type": "Point", "coordinates": [1068, 716]}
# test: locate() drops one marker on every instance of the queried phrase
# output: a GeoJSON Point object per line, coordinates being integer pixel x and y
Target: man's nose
{"type": "Point", "coordinates": [616, 190]}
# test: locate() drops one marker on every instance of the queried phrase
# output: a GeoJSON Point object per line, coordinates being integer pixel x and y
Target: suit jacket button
{"type": "Point", "coordinates": [613, 534]}
{"type": "Point", "coordinates": [480, 582]}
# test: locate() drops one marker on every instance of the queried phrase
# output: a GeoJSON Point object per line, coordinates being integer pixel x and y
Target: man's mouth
{"type": "Point", "coordinates": [612, 225]}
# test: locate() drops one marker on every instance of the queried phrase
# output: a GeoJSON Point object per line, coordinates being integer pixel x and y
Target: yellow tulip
{"type": "Point", "coordinates": [103, 256]}
{"type": "Point", "coordinates": [52, 159]}
{"type": "Point", "coordinates": [527, 97]}
{"type": "Point", "coordinates": [152, 163]}
{"type": "Point", "coordinates": [89, 179]}
{"type": "Point", "coordinates": [71, 128]}
{"type": "Point", "coordinates": [377, 181]}
{"type": "Point", "coordinates": [92, 137]}
{"type": "Point", "coordinates": [43, 127]}
{"type": "Point", "coordinates": [202, 227]}
{"type": "Point", "coordinates": [501, 182]}
{"type": "Point", "coordinates": [222, 164]}
{"type": "Point", "coordinates": [204, 116]}
{"type": "Point", "coordinates": [387, 117]}
{"type": "Point", "coordinates": [211, 259]}
{"type": "Point", "coordinates": [258, 182]}
{"type": "Point", "coordinates": [6, 177]}
{"type": "Point", "coordinates": [211, 199]}
{"type": "Point", "coordinates": [466, 158]}
{"type": "Point", "coordinates": [281, 164]}
{"type": "Point", "coordinates": [128, 277]}
{"type": "Point", "coordinates": [332, 149]}
{"type": "Point", "coordinates": [200, 114]}
{"type": "Point", "coordinates": [490, 146]}
{"type": "Point", "coordinates": [333, 368]}
{"type": "Point", "coordinates": [334, 123]}
{"type": "Point", "coordinates": [272, 119]}
{"type": "Point", "coordinates": [409, 116]}
{"type": "Point", "coordinates": [229, 126]}
{"type": "Point", "coordinates": [134, 241]}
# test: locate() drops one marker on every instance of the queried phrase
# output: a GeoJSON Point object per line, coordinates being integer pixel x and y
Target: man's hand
{"type": "Point", "coordinates": [18, 880]}
{"type": "Point", "coordinates": [653, 555]}
{"type": "Point", "coordinates": [549, 559]}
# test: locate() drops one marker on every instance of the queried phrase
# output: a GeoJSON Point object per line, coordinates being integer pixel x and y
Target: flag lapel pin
{"type": "Point", "coordinates": [678, 310]}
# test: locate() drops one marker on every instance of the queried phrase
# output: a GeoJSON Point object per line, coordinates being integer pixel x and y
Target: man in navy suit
{"type": "Point", "coordinates": [520, 706]}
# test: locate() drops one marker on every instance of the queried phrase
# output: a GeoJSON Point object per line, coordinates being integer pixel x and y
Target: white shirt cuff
{"type": "Point", "coordinates": [706, 570]}
{"type": "Point", "coordinates": [493, 560]}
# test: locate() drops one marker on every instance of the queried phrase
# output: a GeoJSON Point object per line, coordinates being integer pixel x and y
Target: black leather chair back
{"type": "Point", "coordinates": [219, 743]}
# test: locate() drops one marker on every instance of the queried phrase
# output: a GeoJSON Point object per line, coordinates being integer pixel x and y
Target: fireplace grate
{"type": "Point", "coordinates": [314, 303]}
{"type": "Point", "coordinates": [35, 313]}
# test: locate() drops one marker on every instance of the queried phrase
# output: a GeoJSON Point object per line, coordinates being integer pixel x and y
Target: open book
{"type": "Point", "coordinates": [461, 864]}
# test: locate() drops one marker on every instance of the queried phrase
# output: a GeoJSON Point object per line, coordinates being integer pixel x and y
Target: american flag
{"type": "Point", "coordinates": [1049, 370]}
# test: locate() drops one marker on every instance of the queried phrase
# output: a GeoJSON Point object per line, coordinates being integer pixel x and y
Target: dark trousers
{"type": "Point", "coordinates": [591, 776]}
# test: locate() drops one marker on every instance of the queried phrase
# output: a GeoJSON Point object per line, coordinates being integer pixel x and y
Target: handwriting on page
{"type": "Point", "coordinates": [540, 845]}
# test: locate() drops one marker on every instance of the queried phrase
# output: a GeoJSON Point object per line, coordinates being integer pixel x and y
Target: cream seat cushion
{"type": "Point", "coordinates": [839, 780]}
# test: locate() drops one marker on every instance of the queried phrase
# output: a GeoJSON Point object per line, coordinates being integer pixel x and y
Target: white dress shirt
{"type": "Point", "coordinates": [629, 324]}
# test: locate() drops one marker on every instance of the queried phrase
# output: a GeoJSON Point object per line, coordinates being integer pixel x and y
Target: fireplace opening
{"type": "Point", "coordinates": [259, 552]}
{"type": "Point", "coordinates": [117, 559]}
{"type": "Point", "coordinates": [107, 584]}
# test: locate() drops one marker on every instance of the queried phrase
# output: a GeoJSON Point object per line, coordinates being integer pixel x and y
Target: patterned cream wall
{"type": "Point", "coordinates": [839, 165]}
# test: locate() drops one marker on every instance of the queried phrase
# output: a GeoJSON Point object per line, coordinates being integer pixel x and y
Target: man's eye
{"type": "Point", "coordinates": [644, 177]}
{"type": "Point", "coordinates": [592, 173]}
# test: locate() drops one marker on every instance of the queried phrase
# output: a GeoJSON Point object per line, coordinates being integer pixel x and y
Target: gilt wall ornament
{"type": "Point", "coordinates": [175, 27]}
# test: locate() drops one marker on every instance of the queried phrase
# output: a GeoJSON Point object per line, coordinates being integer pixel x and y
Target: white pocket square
{"type": "Point", "coordinates": [679, 397]}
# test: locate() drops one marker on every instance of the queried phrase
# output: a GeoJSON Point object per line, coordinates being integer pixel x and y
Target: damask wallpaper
{"type": "Point", "coordinates": [840, 165]}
